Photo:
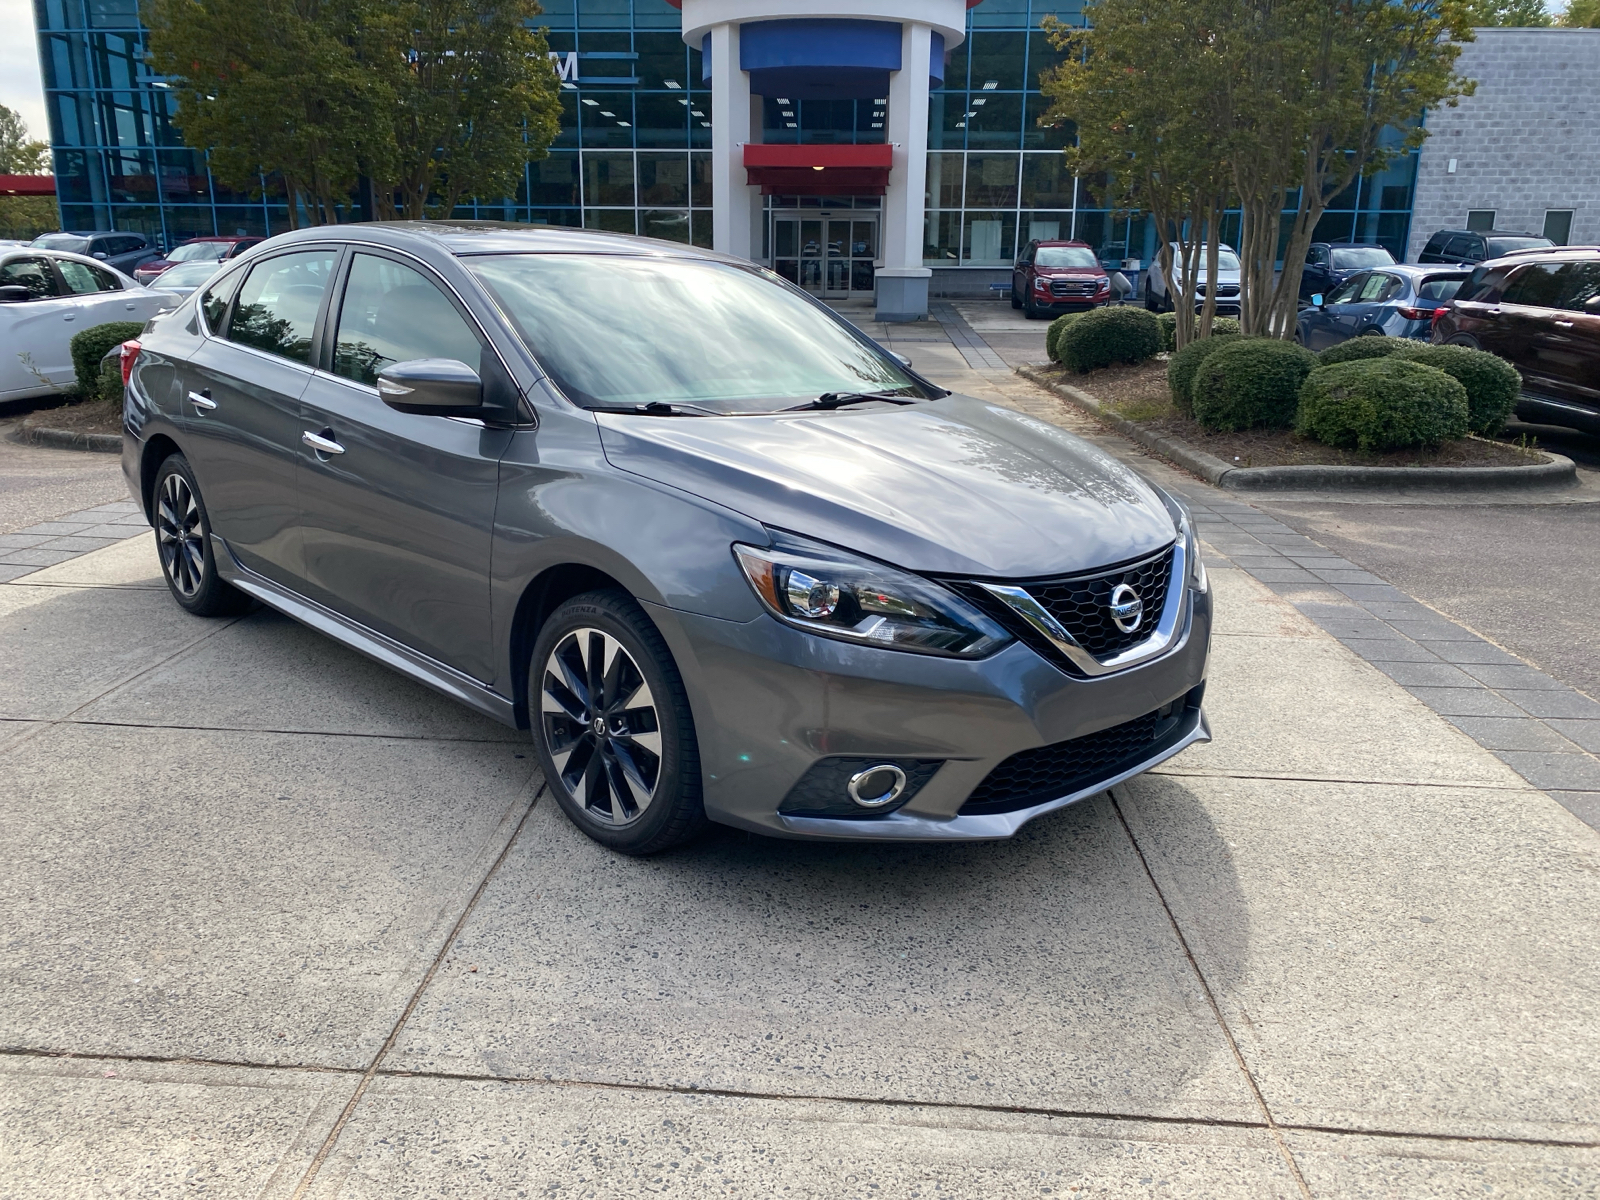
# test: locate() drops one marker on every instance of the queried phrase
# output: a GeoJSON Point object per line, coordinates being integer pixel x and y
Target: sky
{"type": "Point", "coordinates": [20, 89]}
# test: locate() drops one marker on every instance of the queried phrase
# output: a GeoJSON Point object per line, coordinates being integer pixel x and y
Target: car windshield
{"type": "Point", "coordinates": [189, 274]}
{"type": "Point", "coordinates": [199, 252]}
{"type": "Point", "coordinates": [1227, 260]}
{"type": "Point", "coordinates": [1065, 256]}
{"type": "Point", "coordinates": [1360, 258]}
{"type": "Point", "coordinates": [623, 330]}
{"type": "Point", "coordinates": [70, 242]}
{"type": "Point", "coordinates": [1497, 246]}
{"type": "Point", "coordinates": [1440, 287]}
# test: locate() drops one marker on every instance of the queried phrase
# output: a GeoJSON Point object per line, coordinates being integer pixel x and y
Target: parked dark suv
{"type": "Point", "coordinates": [1542, 313]}
{"type": "Point", "coordinates": [124, 251]}
{"type": "Point", "coordinates": [1055, 277]}
{"type": "Point", "coordinates": [1478, 245]}
{"type": "Point", "coordinates": [1328, 264]}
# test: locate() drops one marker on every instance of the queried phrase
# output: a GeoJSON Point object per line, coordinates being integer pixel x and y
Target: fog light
{"type": "Point", "coordinates": [877, 786]}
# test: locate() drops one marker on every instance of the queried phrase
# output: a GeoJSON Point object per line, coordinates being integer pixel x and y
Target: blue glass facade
{"type": "Point", "coordinates": [634, 150]}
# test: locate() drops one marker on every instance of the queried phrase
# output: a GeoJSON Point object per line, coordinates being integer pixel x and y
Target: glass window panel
{"type": "Point", "coordinates": [1046, 226]}
{"type": "Point", "coordinates": [956, 65]}
{"type": "Point", "coordinates": [607, 118]}
{"type": "Point", "coordinates": [1092, 228]}
{"type": "Point", "coordinates": [1479, 219]}
{"type": "Point", "coordinates": [997, 58]}
{"type": "Point", "coordinates": [996, 122]}
{"type": "Point", "coordinates": [215, 301]}
{"type": "Point", "coordinates": [1038, 133]}
{"type": "Point", "coordinates": [1334, 227]}
{"type": "Point", "coordinates": [82, 279]}
{"type": "Point", "coordinates": [242, 220]}
{"type": "Point", "coordinates": [953, 136]}
{"type": "Point", "coordinates": [554, 180]}
{"type": "Point", "coordinates": [607, 179]}
{"type": "Point", "coordinates": [1042, 57]}
{"type": "Point", "coordinates": [278, 304]}
{"type": "Point", "coordinates": [1558, 225]}
{"type": "Point", "coordinates": [1007, 13]}
{"type": "Point", "coordinates": [663, 60]}
{"type": "Point", "coordinates": [606, 14]}
{"type": "Point", "coordinates": [664, 180]}
{"type": "Point", "coordinates": [1046, 181]}
{"type": "Point", "coordinates": [568, 135]}
{"type": "Point", "coordinates": [657, 14]}
{"type": "Point", "coordinates": [668, 224]}
{"type": "Point", "coordinates": [700, 180]}
{"type": "Point", "coordinates": [391, 314]}
{"type": "Point", "coordinates": [944, 180]}
{"type": "Point", "coordinates": [663, 119]}
{"type": "Point", "coordinates": [570, 217]}
{"type": "Point", "coordinates": [701, 222]}
{"type": "Point", "coordinates": [31, 273]}
{"type": "Point", "coordinates": [989, 239]}
{"type": "Point", "coordinates": [612, 220]}
{"type": "Point", "coordinates": [941, 239]}
{"type": "Point", "coordinates": [992, 180]}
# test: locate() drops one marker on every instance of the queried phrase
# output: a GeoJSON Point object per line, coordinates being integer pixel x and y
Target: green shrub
{"type": "Point", "coordinates": [1251, 382]}
{"type": "Point", "coordinates": [1052, 335]}
{"type": "Point", "coordinates": [111, 381]}
{"type": "Point", "coordinates": [90, 346]}
{"type": "Point", "coordinates": [1359, 348]}
{"type": "Point", "coordinates": [1169, 328]}
{"type": "Point", "coordinates": [1102, 336]}
{"type": "Point", "coordinates": [1381, 404]}
{"type": "Point", "coordinates": [1492, 383]}
{"type": "Point", "coordinates": [1182, 366]}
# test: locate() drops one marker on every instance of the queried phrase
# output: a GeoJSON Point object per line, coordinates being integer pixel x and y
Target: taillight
{"type": "Point", "coordinates": [130, 355]}
{"type": "Point", "coordinates": [1420, 314]}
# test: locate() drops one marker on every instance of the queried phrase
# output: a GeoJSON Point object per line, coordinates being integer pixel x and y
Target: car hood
{"type": "Point", "coordinates": [951, 486]}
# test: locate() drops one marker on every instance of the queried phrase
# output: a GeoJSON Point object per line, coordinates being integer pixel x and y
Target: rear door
{"type": "Point", "coordinates": [241, 415]}
{"type": "Point", "coordinates": [1529, 307]}
{"type": "Point", "coordinates": [398, 520]}
{"type": "Point", "coordinates": [1568, 337]}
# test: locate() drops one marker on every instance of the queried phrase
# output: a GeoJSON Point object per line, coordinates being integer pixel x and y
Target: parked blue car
{"type": "Point", "coordinates": [1398, 301]}
{"type": "Point", "coordinates": [1328, 264]}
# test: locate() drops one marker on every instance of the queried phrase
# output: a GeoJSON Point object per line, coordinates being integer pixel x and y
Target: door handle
{"type": "Point", "coordinates": [321, 444]}
{"type": "Point", "coordinates": [202, 400]}
{"type": "Point", "coordinates": [1565, 324]}
{"type": "Point", "coordinates": [1493, 312]}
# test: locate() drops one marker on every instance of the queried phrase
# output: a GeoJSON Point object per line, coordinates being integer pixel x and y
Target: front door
{"type": "Point", "coordinates": [397, 509]}
{"type": "Point", "coordinates": [830, 256]}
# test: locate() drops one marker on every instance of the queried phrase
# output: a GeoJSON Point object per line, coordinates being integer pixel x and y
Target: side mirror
{"type": "Point", "coordinates": [441, 387]}
{"type": "Point", "coordinates": [900, 358]}
{"type": "Point", "coordinates": [101, 255]}
{"type": "Point", "coordinates": [1317, 300]}
{"type": "Point", "coordinates": [15, 293]}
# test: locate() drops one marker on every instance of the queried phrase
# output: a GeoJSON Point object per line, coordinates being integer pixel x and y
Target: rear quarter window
{"type": "Point", "coordinates": [1441, 287]}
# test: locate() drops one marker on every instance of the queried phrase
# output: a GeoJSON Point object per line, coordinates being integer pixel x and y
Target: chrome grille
{"type": "Point", "coordinates": [1082, 604]}
{"type": "Point", "coordinates": [1072, 287]}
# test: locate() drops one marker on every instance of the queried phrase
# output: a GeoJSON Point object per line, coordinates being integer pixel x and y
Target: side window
{"type": "Point", "coordinates": [31, 273]}
{"type": "Point", "coordinates": [82, 278]}
{"type": "Point", "coordinates": [277, 309]}
{"type": "Point", "coordinates": [1317, 256]}
{"type": "Point", "coordinates": [1391, 286]}
{"type": "Point", "coordinates": [1348, 290]}
{"type": "Point", "coordinates": [1581, 291]}
{"type": "Point", "coordinates": [393, 314]}
{"type": "Point", "coordinates": [1459, 246]}
{"type": "Point", "coordinates": [1440, 287]}
{"type": "Point", "coordinates": [1538, 285]}
{"type": "Point", "coordinates": [214, 304]}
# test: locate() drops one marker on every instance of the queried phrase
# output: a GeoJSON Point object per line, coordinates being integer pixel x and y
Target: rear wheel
{"type": "Point", "coordinates": [183, 540]}
{"type": "Point", "coordinates": [612, 726]}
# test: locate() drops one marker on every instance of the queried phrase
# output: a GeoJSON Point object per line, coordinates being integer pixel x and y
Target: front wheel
{"type": "Point", "coordinates": [1016, 301]}
{"type": "Point", "coordinates": [183, 540]}
{"type": "Point", "coordinates": [612, 726]}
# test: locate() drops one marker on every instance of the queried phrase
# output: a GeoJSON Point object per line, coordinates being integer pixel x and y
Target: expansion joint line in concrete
{"type": "Point", "coordinates": [1211, 999]}
{"type": "Point", "coordinates": [416, 998]}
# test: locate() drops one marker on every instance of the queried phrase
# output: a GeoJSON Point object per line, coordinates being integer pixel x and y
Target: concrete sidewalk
{"type": "Point", "coordinates": [280, 923]}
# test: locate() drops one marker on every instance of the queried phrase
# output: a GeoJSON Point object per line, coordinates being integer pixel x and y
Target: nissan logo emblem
{"type": "Point", "coordinates": [1127, 610]}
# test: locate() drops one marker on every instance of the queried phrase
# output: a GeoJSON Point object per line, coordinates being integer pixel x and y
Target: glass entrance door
{"type": "Point", "coordinates": [829, 256]}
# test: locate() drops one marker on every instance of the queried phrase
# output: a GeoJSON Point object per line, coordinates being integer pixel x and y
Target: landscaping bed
{"type": "Point", "coordinates": [80, 416]}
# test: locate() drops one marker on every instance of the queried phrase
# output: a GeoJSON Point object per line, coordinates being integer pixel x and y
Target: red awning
{"type": "Point", "coordinates": [819, 170]}
{"type": "Point", "coordinates": [27, 185]}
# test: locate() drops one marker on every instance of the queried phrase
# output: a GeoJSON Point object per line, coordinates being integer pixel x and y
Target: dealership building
{"type": "Point", "coordinates": [877, 150]}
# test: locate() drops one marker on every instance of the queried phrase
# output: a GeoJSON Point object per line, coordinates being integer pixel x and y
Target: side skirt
{"type": "Point", "coordinates": [392, 654]}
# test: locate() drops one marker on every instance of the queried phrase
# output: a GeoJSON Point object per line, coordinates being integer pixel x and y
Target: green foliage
{"type": "Point", "coordinates": [1169, 328]}
{"type": "Point", "coordinates": [1102, 336]}
{"type": "Point", "coordinates": [1358, 348]}
{"type": "Point", "coordinates": [1582, 14]}
{"type": "Point", "coordinates": [1517, 13]}
{"type": "Point", "coordinates": [1491, 382]}
{"type": "Point", "coordinates": [434, 100]}
{"type": "Point", "coordinates": [1251, 382]}
{"type": "Point", "coordinates": [24, 218]}
{"type": "Point", "coordinates": [110, 389]}
{"type": "Point", "coordinates": [1184, 363]}
{"type": "Point", "coordinates": [1052, 335]}
{"type": "Point", "coordinates": [1381, 404]}
{"type": "Point", "coordinates": [91, 345]}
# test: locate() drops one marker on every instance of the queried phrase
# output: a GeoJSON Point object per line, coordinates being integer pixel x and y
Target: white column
{"type": "Point", "coordinates": [903, 280]}
{"type": "Point", "coordinates": [732, 210]}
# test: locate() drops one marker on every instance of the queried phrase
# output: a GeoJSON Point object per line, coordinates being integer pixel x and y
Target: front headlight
{"type": "Point", "coordinates": [1191, 541]}
{"type": "Point", "coordinates": [829, 592]}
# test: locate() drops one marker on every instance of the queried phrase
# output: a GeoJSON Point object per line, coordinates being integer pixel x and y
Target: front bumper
{"type": "Point", "coordinates": [770, 701]}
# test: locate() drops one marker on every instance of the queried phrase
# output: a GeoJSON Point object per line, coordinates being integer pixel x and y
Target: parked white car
{"type": "Point", "coordinates": [46, 296]}
{"type": "Point", "coordinates": [1155, 285]}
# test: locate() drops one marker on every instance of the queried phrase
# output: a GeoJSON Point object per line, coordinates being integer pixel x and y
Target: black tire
{"type": "Point", "coordinates": [183, 540]}
{"type": "Point", "coordinates": [1028, 309]}
{"type": "Point", "coordinates": [1016, 301]}
{"type": "Point", "coordinates": [647, 748]}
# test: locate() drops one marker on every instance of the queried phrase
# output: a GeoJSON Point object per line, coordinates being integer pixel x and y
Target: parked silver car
{"type": "Point", "coordinates": [726, 557]}
{"type": "Point", "coordinates": [1157, 297]}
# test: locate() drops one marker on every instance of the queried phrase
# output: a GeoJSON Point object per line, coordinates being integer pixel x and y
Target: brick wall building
{"type": "Point", "coordinates": [1523, 152]}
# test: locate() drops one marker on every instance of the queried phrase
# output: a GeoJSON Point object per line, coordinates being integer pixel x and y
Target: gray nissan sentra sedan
{"type": "Point", "coordinates": [723, 555]}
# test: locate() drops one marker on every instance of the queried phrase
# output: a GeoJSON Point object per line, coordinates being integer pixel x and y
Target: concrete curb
{"type": "Point", "coordinates": [66, 439]}
{"type": "Point", "coordinates": [1560, 471]}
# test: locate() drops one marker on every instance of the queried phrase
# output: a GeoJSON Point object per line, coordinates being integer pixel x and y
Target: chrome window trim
{"type": "Point", "coordinates": [1159, 642]}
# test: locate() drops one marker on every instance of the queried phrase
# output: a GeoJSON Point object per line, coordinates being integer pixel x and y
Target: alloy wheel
{"type": "Point", "coordinates": [601, 726]}
{"type": "Point", "coordinates": [180, 537]}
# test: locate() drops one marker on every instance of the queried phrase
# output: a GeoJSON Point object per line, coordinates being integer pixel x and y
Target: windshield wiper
{"type": "Point", "coordinates": [656, 408]}
{"type": "Point", "coordinates": [832, 400]}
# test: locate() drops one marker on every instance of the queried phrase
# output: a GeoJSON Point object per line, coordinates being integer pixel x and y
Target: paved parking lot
{"type": "Point", "coordinates": [281, 923]}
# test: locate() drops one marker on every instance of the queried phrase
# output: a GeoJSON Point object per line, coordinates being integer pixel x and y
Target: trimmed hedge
{"type": "Point", "coordinates": [1381, 404]}
{"type": "Point", "coordinates": [1052, 335]}
{"type": "Point", "coordinates": [1492, 383]}
{"type": "Point", "coordinates": [1251, 382]}
{"type": "Point", "coordinates": [1357, 349]}
{"type": "Point", "coordinates": [91, 345]}
{"type": "Point", "coordinates": [1113, 334]}
{"type": "Point", "coordinates": [1183, 364]}
{"type": "Point", "coordinates": [1169, 328]}
{"type": "Point", "coordinates": [111, 381]}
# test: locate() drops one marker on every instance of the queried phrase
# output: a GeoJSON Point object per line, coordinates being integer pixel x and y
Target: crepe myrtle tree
{"type": "Point", "coordinates": [1317, 93]}
{"type": "Point", "coordinates": [1134, 83]}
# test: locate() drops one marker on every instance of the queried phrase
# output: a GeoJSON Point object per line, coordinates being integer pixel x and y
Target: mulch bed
{"type": "Point", "coordinates": [1139, 394]}
{"type": "Point", "coordinates": [82, 416]}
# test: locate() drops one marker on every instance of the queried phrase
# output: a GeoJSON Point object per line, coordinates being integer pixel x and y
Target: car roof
{"type": "Point", "coordinates": [1553, 253]}
{"type": "Point", "coordinates": [468, 238]}
{"type": "Point", "coordinates": [1351, 245]}
{"type": "Point", "coordinates": [1413, 269]}
{"type": "Point", "coordinates": [1484, 233]}
{"type": "Point", "coordinates": [223, 237]}
{"type": "Point", "coordinates": [1063, 242]}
